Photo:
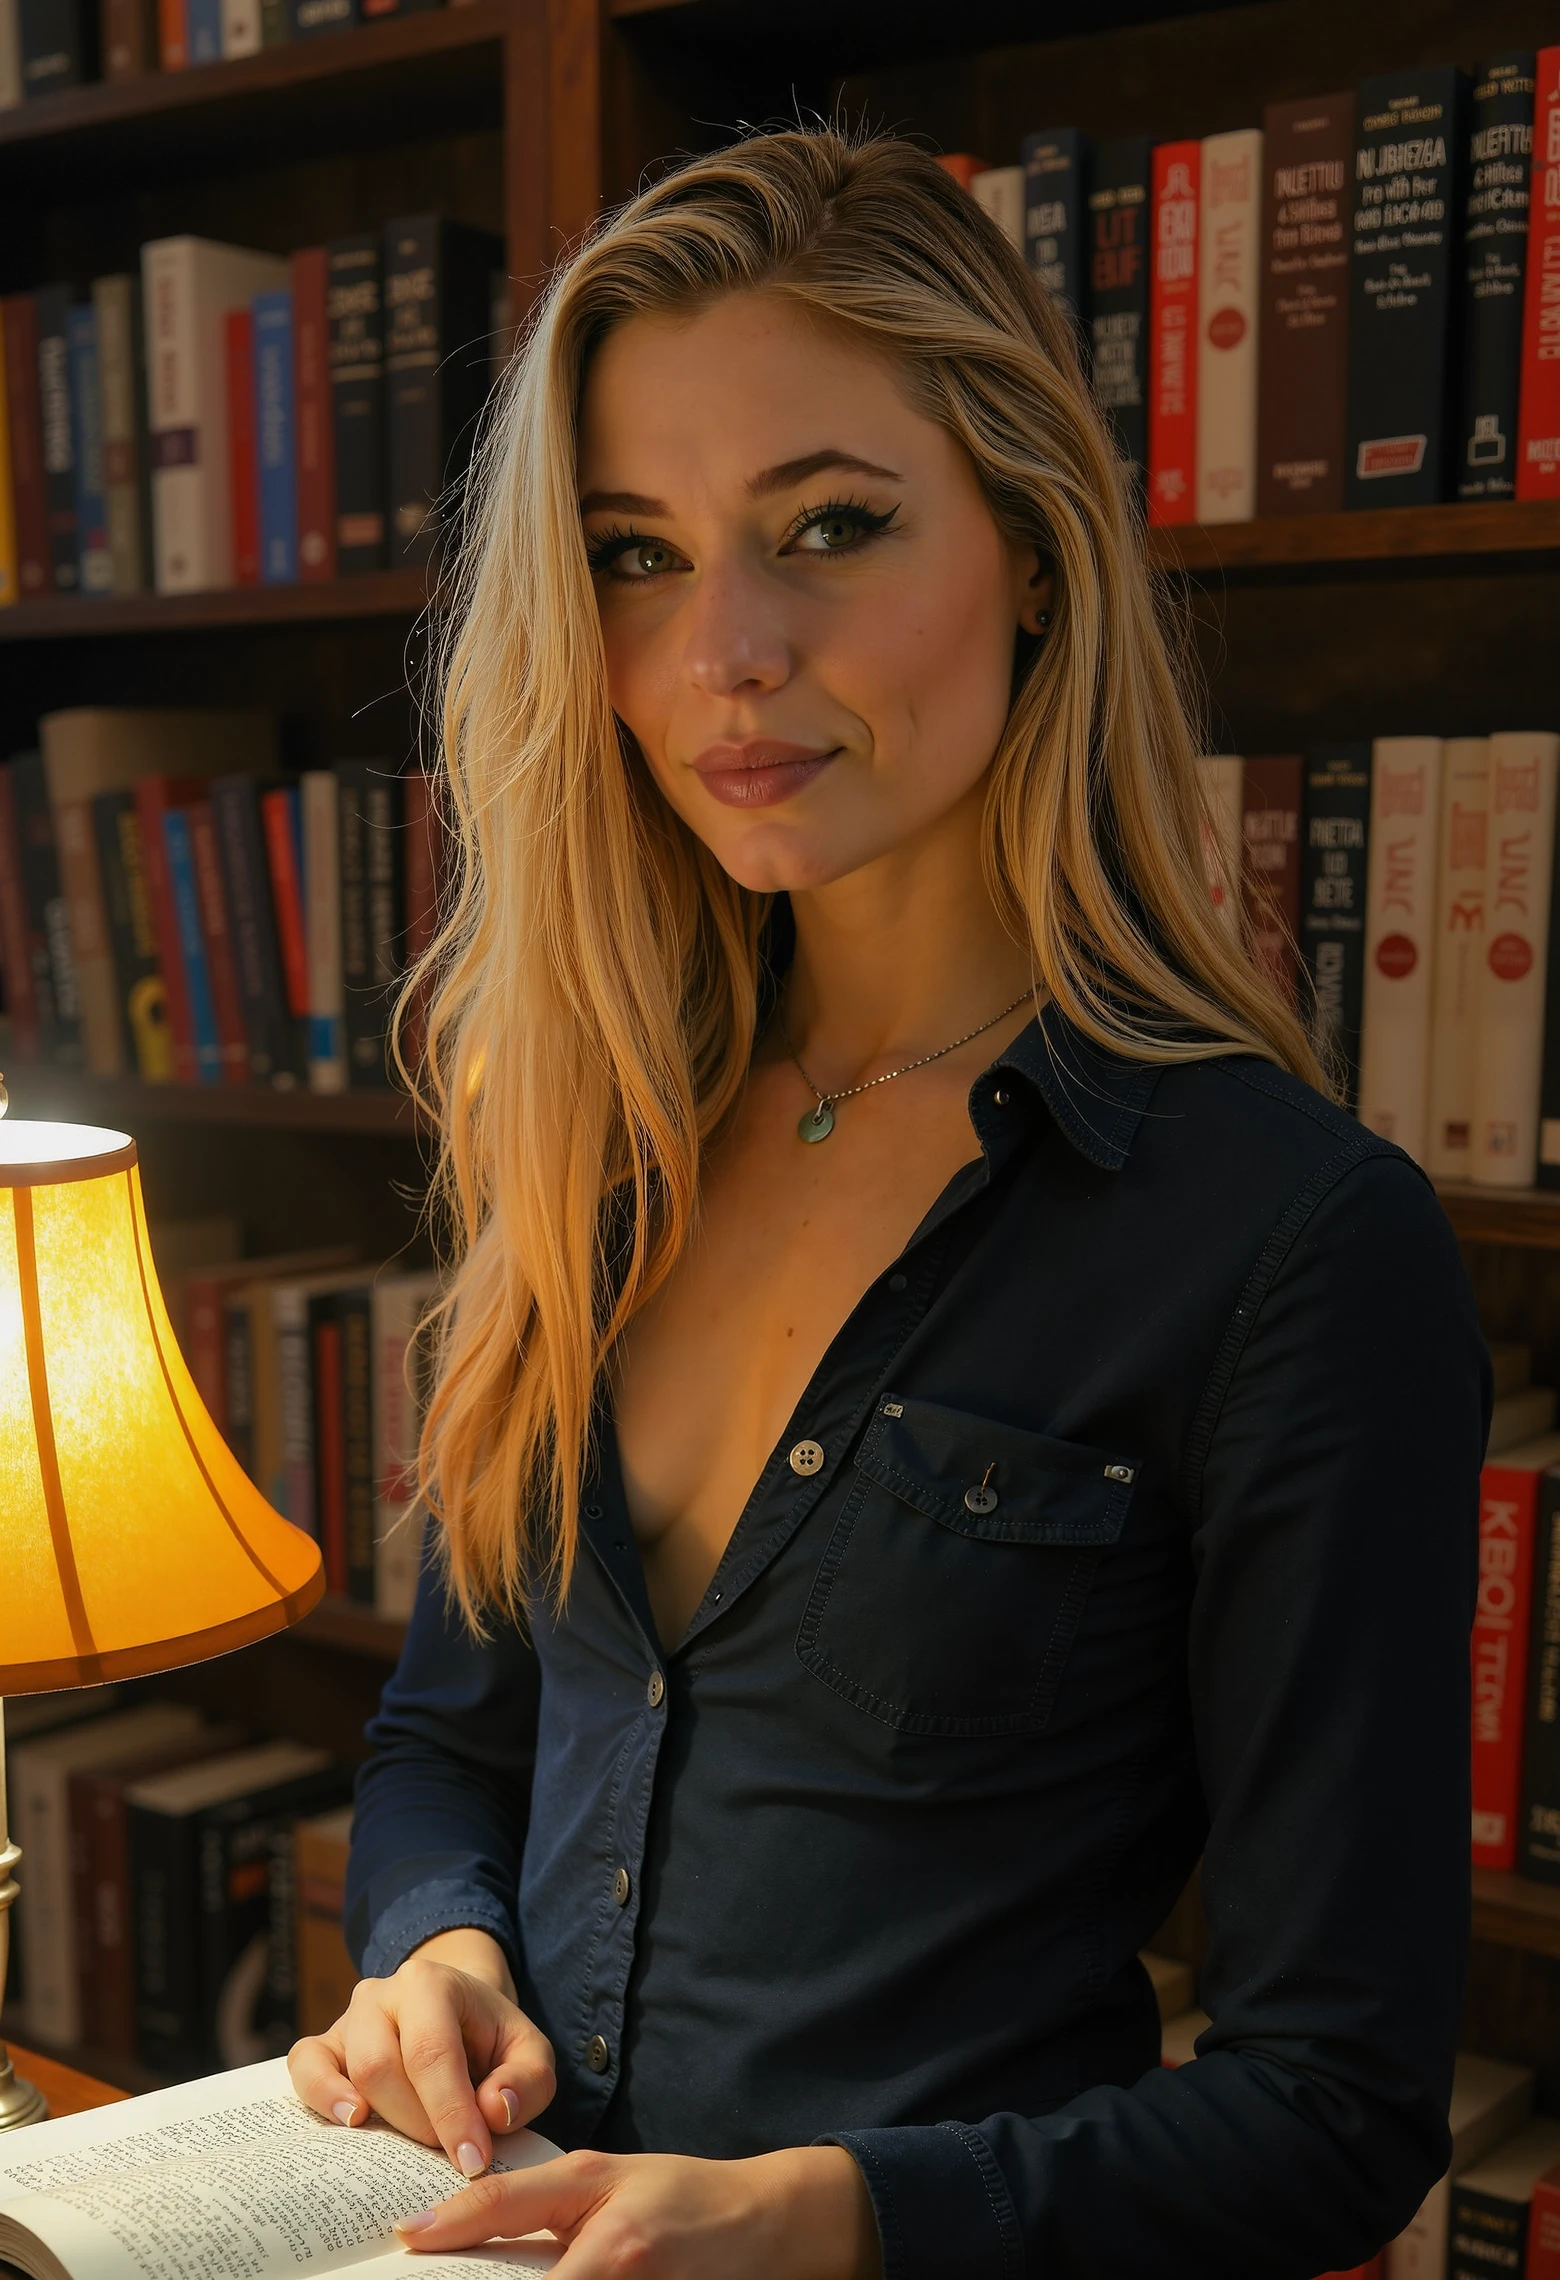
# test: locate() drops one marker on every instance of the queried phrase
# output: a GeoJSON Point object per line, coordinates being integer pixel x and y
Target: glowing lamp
{"type": "Point", "coordinates": [131, 1540]}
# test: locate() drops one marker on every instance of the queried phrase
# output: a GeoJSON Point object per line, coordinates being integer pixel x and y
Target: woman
{"type": "Point", "coordinates": [940, 1420]}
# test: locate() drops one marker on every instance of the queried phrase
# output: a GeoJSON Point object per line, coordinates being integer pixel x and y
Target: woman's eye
{"type": "Point", "coordinates": [633, 560]}
{"type": "Point", "coordinates": [837, 530]}
{"type": "Point", "coordinates": [645, 560]}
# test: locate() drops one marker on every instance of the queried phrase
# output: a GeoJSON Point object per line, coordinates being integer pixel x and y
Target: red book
{"type": "Point", "coordinates": [1172, 333]}
{"type": "Point", "coordinates": [281, 849]}
{"type": "Point", "coordinates": [172, 44]}
{"type": "Point", "coordinates": [34, 570]}
{"type": "Point", "coordinates": [154, 796]}
{"type": "Point", "coordinates": [314, 434]}
{"type": "Point", "coordinates": [1538, 417]}
{"type": "Point", "coordinates": [243, 459]}
{"type": "Point", "coordinates": [1370, 2271]}
{"type": "Point", "coordinates": [1508, 1511]}
{"type": "Point", "coordinates": [226, 998]}
{"type": "Point", "coordinates": [21, 996]}
{"type": "Point", "coordinates": [1271, 791]}
{"type": "Point", "coordinates": [330, 1465]}
{"type": "Point", "coordinates": [963, 165]}
{"type": "Point", "coordinates": [1543, 2254]}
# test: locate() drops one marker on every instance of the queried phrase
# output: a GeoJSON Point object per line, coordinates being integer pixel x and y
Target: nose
{"type": "Point", "coordinates": [737, 641]}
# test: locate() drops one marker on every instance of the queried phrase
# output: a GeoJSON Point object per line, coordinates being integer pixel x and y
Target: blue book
{"type": "Point", "coordinates": [192, 946]}
{"type": "Point", "coordinates": [272, 317]}
{"type": "Point", "coordinates": [94, 564]}
{"type": "Point", "coordinates": [203, 31]}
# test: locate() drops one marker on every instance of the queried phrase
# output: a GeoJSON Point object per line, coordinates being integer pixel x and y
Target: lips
{"type": "Point", "coordinates": [760, 774]}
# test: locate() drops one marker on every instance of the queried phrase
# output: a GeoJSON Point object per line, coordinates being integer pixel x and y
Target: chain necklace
{"type": "Point", "coordinates": [817, 1123]}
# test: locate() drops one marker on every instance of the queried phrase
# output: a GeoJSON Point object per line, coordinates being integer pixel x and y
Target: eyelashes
{"type": "Point", "coordinates": [854, 522]}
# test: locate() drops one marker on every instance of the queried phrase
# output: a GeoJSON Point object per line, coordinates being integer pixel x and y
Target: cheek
{"type": "Point", "coordinates": [930, 668]}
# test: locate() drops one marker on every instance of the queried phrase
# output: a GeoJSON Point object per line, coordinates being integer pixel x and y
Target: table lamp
{"type": "Point", "coordinates": [131, 1540]}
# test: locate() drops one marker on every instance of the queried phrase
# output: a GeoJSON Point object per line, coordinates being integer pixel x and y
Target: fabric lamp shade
{"type": "Point", "coordinates": [131, 1539]}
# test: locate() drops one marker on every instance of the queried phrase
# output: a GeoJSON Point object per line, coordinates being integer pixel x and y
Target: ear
{"type": "Point", "coordinates": [1037, 593]}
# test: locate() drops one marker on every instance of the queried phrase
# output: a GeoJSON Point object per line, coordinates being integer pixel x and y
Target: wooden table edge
{"type": "Point", "coordinates": [67, 2089]}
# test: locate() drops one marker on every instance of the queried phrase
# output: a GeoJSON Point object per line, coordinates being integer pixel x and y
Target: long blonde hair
{"type": "Point", "coordinates": [592, 995]}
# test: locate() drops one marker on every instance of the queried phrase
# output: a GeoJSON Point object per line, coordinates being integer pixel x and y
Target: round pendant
{"type": "Point", "coordinates": [817, 1124]}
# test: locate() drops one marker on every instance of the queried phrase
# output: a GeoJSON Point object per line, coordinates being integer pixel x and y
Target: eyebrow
{"type": "Point", "coordinates": [785, 477]}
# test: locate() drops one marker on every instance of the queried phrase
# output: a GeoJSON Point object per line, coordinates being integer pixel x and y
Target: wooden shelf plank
{"type": "Point", "coordinates": [339, 1622]}
{"type": "Point", "coordinates": [66, 617]}
{"type": "Point", "coordinates": [1514, 1912]}
{"type": "Point", "coordinates": [1383, 537]}
{"type": "Point", "coordinates": [1529, 1217]}
{"type": "Point", "coordinates": [127, 1103]}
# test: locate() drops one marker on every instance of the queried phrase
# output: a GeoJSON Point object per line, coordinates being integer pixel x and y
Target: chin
{"type": "Point", "coordinates": [771, 858]}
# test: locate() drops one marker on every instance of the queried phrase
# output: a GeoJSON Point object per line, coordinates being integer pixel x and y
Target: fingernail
{"type": "Point", "coordinates": [344, 2110]}
{"type": "Point", "coordinates": [511, 2109]}
{"type": "Point", "coordinates": [419, 2222]}
{"type": "Point", "coordinates": [469, 2160]}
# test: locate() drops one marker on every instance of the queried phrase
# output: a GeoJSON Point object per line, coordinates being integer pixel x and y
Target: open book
{"type": "Point", "coordinates": [232, 2178]}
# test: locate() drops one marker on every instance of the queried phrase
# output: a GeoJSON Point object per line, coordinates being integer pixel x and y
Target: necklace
{"type": "Point", "coordinates": [817, 1123]}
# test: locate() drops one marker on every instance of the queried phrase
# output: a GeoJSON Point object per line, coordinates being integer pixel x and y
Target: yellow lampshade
{"type": "Point", "coordinates": [131, 1540]}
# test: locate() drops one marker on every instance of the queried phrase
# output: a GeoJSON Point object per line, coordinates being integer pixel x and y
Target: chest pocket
{"type": "Point", "coordinates": [953, 1584]}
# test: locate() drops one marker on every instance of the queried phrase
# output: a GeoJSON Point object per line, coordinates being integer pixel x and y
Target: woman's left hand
{"type": "Point", "coordinates": [799, 2215]}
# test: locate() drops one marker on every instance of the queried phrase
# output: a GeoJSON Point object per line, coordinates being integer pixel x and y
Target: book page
{"type": "Point", "coordinates": [232, 2178]}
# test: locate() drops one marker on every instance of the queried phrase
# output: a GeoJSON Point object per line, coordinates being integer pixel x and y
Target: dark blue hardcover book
{"type": "Point", "coordinates": [1117, 290]}
{"type": "Point", "coordinates": [275, 449]}
{"type": "Point", "coordinates": [57, 429]}
{"type": "Point", "coordinates": [1056, 167]}
{"type": "Point", "coordinates": [57, 43]}
{"type": "Point", "coordinates": [1335, 828]}
{"type": "Point", "coordinates": [192, 946]}
{"type": "Point", "coordinates": [203, 30]}
{"type": "Point", "coordinates": [1494, 271]}
{"type": "Point", "coordinates": [275, 1039]}
{"type": "Point", "coordinates": [94, 563]}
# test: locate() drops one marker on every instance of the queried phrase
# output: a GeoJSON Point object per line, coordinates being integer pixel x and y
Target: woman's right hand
{"type": "Point", "coordinates": [441, 2050]}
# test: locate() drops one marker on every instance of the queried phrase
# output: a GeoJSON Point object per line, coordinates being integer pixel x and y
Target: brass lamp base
{"type": "Point", "coordinates": [19, 2101]}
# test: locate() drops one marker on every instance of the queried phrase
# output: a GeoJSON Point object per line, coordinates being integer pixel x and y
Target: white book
{"type": "Point", "coordinates": [234, 2173]}
{"type": "Point", "coordinates": [1459, 952]}
{"type": "Point", "coordinates": [400, 1399]}
{"type": "Point", "coordinates": [1223, 781]}
{"type": "Point", "coordinates": [189, 284]}
{"type": "Point", "coordinates": [38, 1787]}
{"type": "Point", "coordinates": [10, 53]}
{"type": "Point", "coordinates": [1509, 1068]}
{"type": "Point", "coordinates": [1228, 305]}
{"type": "Point", "coordinates": [1400, 880]}
{"type": "Point", "coordinates": [320, 809]}
{"type": "Point", "coordinates": [1489, 2101]}
{"type": "Point", "coordinates": [240, 27]}
{"type": "Point", "coordinates": [1000, 190]}
{"type": "Point", "coordinates": [113, 301]}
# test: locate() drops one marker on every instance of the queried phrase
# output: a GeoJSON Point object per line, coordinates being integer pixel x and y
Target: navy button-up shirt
{"type": "Point", "coordinates": [1145, 1528]}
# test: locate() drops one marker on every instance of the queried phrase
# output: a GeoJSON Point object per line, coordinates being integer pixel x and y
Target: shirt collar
{"type": "Point", "coordinates": [1096, 1097]}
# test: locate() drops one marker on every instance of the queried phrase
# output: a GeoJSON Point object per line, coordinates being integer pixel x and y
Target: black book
{"type": "Point", "coordinates": [437, 369]}
{"type": "Point", "coordinates": [1335, 828]}
{"type": "Point", "coordinates": [142, 1000]}
{"type": "Point", "coordinates": [1410, 139]}
{"type": "Point", "coordinates": [354, 301]}
{"type": "Point", "coordinates": [372, 916]}
{"type": "Point", "coordinates": [48, 928]}
{"type": "Point", "coordinates": [59, 44]}
{"type": "Point", "coordinates": [357, 1437]}
{"type": "Point", "coordinates": [276, 1043]}
{"type": "Point", "coordinates": [54, 420]}
{"type": "Point", "coordinates": [1056, 167]}
{"type": "Point", "coordinates": [1538, 1825]}
{"type": "Point", "coordinates": [307, 17]}
{"type": "Point", "coordinates": [1118, 291]}
{"type": "Point", "coordinates": [1494, 266]}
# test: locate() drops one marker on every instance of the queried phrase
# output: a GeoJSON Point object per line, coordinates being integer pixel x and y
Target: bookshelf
{"type": "Point", "coordinates": [523, 115]}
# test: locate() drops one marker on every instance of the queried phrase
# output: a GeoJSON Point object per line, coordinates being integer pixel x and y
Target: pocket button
{"type": "Point", "coordinates": [805, 1458]}
{"type": "Point", "coordinates": [981, 1500]}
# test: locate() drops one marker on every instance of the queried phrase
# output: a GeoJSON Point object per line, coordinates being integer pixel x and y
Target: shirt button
{"type": "Point", "coordinates": [899, 1282]}
{"type": "Point", "coordinates": [981, 1499]}
{"type": "Point", "coordinates": [655, 1692]}
{"type": "Point", "coordinates": [999, 1099]}
{"type": "Point", "coordinates": [598, 2055]}
{"type": "Point", "coordinates": [621, 1887]}
{"type": "Point", "coordinates": [806, 1457]}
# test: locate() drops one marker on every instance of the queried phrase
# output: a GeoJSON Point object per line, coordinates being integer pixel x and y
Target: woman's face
{"type": "Point", "coordinates": [808, 609]}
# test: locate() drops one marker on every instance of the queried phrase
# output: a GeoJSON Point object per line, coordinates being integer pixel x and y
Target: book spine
{"type": "Point", "coordinates": [165, 1912]}
{"type": "Point", "coordinates": [11, 89]}
{"type": "Point", "coordinates": [314, 438]}
{"type": "Point", "coordinates": [92, 956]}
{"type": "Point", "coordinates": [1172, 334]}
{"type": "Point", "coordinates": [59, 459]}
{"type": "Point", "coordinates": [265, 1402]}
{"type": "Point", "coordinates": [206, 1347]}
{"type": "Point", "coordinates": [110, 2018]}
{"type": "Point", "coordinates": [238, 1380]}
{"type": "Point", "coordinates": [281, 1970]}
{"type": "Point", "coordinates": [283, 838]}
{"type": "Point", "coordinates": [1055, 213]}
{"type": "Point", "coordinates": [1538, 416]}
{"type": "Point", "coordinates": [129, 39]}
{"type": "Point", "coordinates": [1302, 357]}
{"type": "Point", "coordinates": [240, 27]}
{"type": "Point", "coordinates": [273, 330]}
{"type": "Point", "coordinates": [142, 1005]}
{"type": "Point", "coordinates": [275, 30]}
{"type": "Point", "coordinates": [1332, 903]}
{"type": "Point", "coordinates": [94, 563]}
{"type": "Point", "coordinates": [1118, 292]}
{"type": "Point", "coordinates": [41, 1828]}
{"type": "Point", "coordinates": [173, 420]}
{"type": "Point", "coordinates": [58, 45]}
{"type": "Point", "coordinates": [180, 854]}
{"type": "Point", "coordinates": [48, 929]}
{"type": "Point", "coordinates": [330, 1482]}
{"type": "Point", "coordinates": [217, 940]}
{"type": "Point", "coordinates": [1508, 1497]}
{"type": "Point", "coordinates": [1408, 150]}
{"type": "Point", "coordinates": [1543, 2250]}
{"type": "Point", "coordinates": [273, 1057]}
{"type": "Point", "coordinates": [1229, 313]}
{"type": "Point", "coordinates": [352, 904]}
{"type": "Point", "coordinates": [10, 563]}
{"type": "Point", "coordinates": [34, 571]}
{"type": "Point", "coordinates": [415, 351]}
{"type": "Point", "coordinates": [151, 804]}
{"type": "Point", "coordinates": [173, 46]}
{"type": "Point", "coordinates": [243, 460]}
{"type": "Point", "coordinates": [357, 378]}
{"type": "Point", "coordinates": [1508, 1071]}
{"type": "Point", "coordinates": [1538, 1847]}
{"type": "Point", "coordinates": [79, 1823]}
{"type": "Point", "coordinates": [16, 964]}
{"type": "Point", "coordinates": [1494, 264]}
{"type": "Point", "coordinates": [203, 30]}
{"type": "Point", "coordinates": [1488, 2234]}
{"type": "Point", "coordinates": [320, 807]}
{"type": "Point", "coordinates": [399, 1382]}
{"type": "Point", "coordinates": [357, 1442]}
{"type": "Point", "coordinates": [372, 914]}
{"type": "Point", "coordinates": [1459, 953]}
{"type": "Point", "coordinates": [999, 192]}
{"type": "Point", "coordinates": [1222, 778]}
{"type": "Point", "coordinates": [306, 18]}
{"type": "Point", "coordinates": [423, 834]}
{"type": "Point", "coordinates": [1271, 792]}
{"type": "Point", "coordinates": [116, 301]}
{"type": "Point", "coordinates": [293, 1351]}
{"type": "Point", "coordinates": [1405, 810]}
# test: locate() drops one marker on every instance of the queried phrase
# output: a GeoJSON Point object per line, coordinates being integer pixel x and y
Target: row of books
{"type": "Point", "coordinates": [49, 44]}
{"type": "Point", "coordinates": [1404, 889]}
{"type": "Point", "coordinates": [1516, 1632]}
{"type": "Point", "coordinates": [173, 905]}
{"type": "Point", "coordinates": [1353, 306]}
{"type": "Point", "coordinates": [229, 418]}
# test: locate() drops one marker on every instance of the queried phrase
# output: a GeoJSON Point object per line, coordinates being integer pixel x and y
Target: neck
{"type": "Point", "coordinates": [901, 956]}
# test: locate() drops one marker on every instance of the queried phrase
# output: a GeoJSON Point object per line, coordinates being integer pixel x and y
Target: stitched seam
{"type": "Point", "coordinates": [997, 2194]}
{"type": "Point", "coordinates": [882, 2205]}
{"type": "Point", "coordinates": [1064, 1630]}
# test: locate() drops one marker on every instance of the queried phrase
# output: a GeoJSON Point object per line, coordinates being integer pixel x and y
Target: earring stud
{"type": "Point", "coordinates": [1042, 619]}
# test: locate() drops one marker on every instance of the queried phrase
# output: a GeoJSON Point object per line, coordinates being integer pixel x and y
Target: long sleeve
{"type": "Point", "coordinates": [442, 1804]}
{"type": "Point", "coordinates": [1332, 1496]}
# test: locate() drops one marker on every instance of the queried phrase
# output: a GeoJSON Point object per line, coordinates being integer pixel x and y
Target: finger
{"type": "Point", "coordinates": [433, 2058]}
{"type": "Point", "coordinates": [373, 2064]}
{"type": "Point", "coordinates": [317, 2065]}
{"type": "Point", "coordinates": [557, 2196]}
{"type": "Point", "coordinates": [520, 2081]}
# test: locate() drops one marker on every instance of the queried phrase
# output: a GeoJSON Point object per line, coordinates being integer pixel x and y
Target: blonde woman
{"type": "Point", "coordinates": [940, 1422]}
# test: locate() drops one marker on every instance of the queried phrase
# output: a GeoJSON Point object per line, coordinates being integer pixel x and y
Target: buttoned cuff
{"type": "Point", "coordinates": [942, 2204]}
{"type": "Point", "coordinates": [444, 1904]}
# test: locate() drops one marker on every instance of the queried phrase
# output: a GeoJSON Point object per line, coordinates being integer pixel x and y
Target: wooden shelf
{"type": "Point", "coordinates": [67, 617]}
{"type": "Point", "coordinates": [411, 78]}
{"type": "Point", "coordinates": [871, 32]}
{"type": "Point", "coordinates": [1529, 1217]}
{"type": "Point", "coordinates": [339, 1622]}
{"type": "Point", "coordinates": [1514, 1912]}
{"type": "Point", "coordinates": [1374, 538]}
{"type": "Point", "coordinates": [126, 1103]}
